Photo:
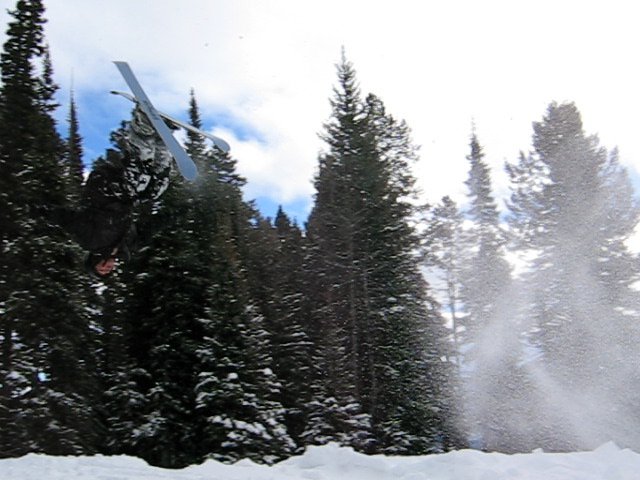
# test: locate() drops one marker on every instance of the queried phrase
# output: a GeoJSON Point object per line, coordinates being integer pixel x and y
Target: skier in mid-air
{"type": "Point", "coordinates": [103, 222]}
{"type": "Point", "coordinates": [140, 172]}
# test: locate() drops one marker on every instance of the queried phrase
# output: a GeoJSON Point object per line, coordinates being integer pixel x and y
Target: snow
{"type": "Point", "coordinates": [331, 462]}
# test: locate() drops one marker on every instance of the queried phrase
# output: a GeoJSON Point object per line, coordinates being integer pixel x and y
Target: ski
{"type": "Point", "coordinates": [185, 164]}
{"type": "Point", "coordinates": [217, 141]}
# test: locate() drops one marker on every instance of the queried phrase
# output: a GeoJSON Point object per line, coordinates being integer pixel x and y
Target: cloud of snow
{"type": "Point", "coordinates": [514, 394]}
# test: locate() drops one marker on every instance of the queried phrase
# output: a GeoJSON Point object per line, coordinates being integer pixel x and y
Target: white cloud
{"type": "Point", "coordinates": [270, 67]}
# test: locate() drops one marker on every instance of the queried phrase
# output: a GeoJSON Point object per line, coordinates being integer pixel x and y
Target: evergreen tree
{"type": "Point", "coordinates": [74, 152]}
{"type": "Point", "coordinates": [573, 205]}
{"type": "Point", "coordinates": [277, 279]}
{"type": "Point", "coordinates": [123, 402]}
{"type": "Point", "coordinates": [328, 227]}
{"type": "Point", "coordinates": [383, 336]}
{"type": "Point", "coordinates": [200, 347]}
{"type": "Point", "coordinates": [444, 256]}
{"type": "Point", "coordinates": [490, 317]}
{"type": "Point", "coordinates": [239, 392]}
{"type": "Point", "coordinates": [487, 274]}
{"type": "Point", "coordinates": [294, 360]}
{"type": "Point", "coordinates": [48, 391]}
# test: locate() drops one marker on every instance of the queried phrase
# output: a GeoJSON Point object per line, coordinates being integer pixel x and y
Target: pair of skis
{"type": "Point", "coordinates": [185, 164]}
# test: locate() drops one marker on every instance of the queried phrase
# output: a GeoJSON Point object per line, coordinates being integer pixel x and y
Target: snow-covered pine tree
{"type": "Point", "coordinates": [444, 257]}
{"type": "Point", "coordinates": [383, 342]}
{"type": "Point", "coordinates": [211, 391]}
{"type": "Point", "coordinates": [331, 266]}
{"type": "Point", "coordinates": [74, 165]}
{"type": "Point", "coordinates": [487, 274]}
{"type": "Point", "coordinates": [47, 393]}
{"type": "Point", "coordinates": [573, 205]}
{"type": "Point", "coordinates": [494, 379]}
{"type": "Point", "coordinates": [277, 282]}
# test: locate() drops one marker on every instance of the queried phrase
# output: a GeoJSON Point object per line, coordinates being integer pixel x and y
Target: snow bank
{"type": "Point", "coordinates": [331, 462]}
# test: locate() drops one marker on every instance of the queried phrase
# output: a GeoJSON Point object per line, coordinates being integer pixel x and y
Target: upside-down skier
{"type": "Point", "coordinates": [140, 172]}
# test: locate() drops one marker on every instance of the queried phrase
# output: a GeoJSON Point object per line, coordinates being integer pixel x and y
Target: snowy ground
{"type": "Point", "coordinates": [335, 463]}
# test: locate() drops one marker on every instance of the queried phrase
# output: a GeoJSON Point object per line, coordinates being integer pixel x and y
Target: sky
{"type": "Point", "coordinates": [331, 462]}
{"type": "Point", "coordinates": [263, 73]}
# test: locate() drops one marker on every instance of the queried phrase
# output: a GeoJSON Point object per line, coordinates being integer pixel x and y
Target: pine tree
{"type": "Point", "coordinates": [384, 337]}
{"type": "Point", "coordinates": [47, 387]}
{"type": "Point", "coordinates": [445, 258]}
{"type": "Point", "coordinates": [328, 228]}
{"type": "Point", "coordinates": [487, 275]}
{"type": "Point", "coordinates": [27, 128]}
{"type": "Point", "coordinates": [573, 205]}
{"type": "Point", "coordinates": [443, 253]}
{"type": "Point", "coordinates": [74, 153]}
{"type": "Point", "coordinates": [201, 350]}
{"type": "Point", "coordinates": [239, 392]}
{"type": "Point", "coordinates": [277, 278]}
{"type": "Point", "coordinates": [491, 327]}
{"type": "Point", "coordinates": [123, 402]}
{"type": "Point", "coordinates": [294, 360]}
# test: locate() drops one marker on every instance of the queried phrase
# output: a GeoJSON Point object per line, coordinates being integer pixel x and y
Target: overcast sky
{"type": "Point", "coordinates": [263, 73]}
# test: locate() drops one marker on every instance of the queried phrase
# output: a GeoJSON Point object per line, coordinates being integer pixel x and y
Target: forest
{"type": "Point", "coordinates": [381, 323]}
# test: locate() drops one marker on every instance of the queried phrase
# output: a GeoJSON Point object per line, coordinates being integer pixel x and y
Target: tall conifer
{"type": "Point", "coordinates": [384, 336]}
{"type": "Point", "coordinates": [47, 388]}
{"type": "Point", "coordinates": [201, 342]}
{"type": "Point", "coordinates": [572, 204]}
{"type": "Point", "coordinates": [74, 166]}
{"type": "Point", "coordinates": [443, 252]}
{"type": "Point", "coordinates": [492, 346]}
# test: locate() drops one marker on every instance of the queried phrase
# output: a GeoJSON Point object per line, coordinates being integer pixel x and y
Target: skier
{"type": "Point", "coordinates": [103, 223]}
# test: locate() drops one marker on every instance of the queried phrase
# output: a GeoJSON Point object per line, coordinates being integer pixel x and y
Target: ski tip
{"type": "Point", "coordinates": [189, 174]}
{"type": "Point", "coordinates": [222, 145]}
{"type": "Point", "coordinates": [126, 95]}
{"type": "Point", "coordinates": [190, 178]}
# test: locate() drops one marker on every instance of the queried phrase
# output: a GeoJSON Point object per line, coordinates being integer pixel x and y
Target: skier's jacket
{"type": "Point", "coordinates": [103, 223]}
{"type": "Point", "coordinates": [140, 172]}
